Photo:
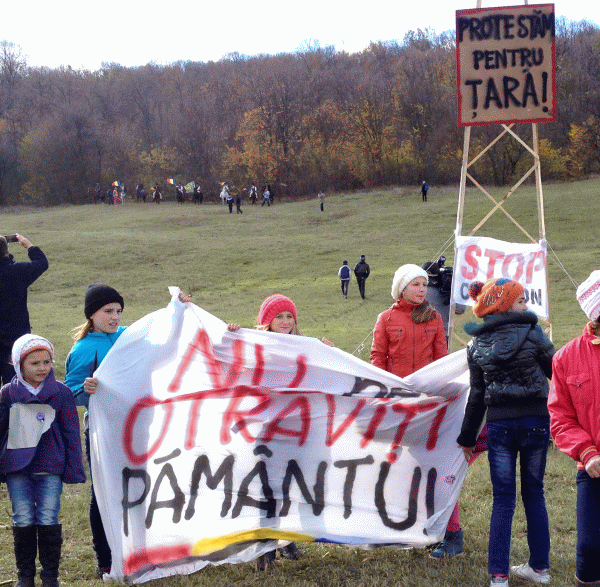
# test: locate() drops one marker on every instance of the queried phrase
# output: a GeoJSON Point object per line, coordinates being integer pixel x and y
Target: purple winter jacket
{"type": "Point", "coordinates": [58, 451]}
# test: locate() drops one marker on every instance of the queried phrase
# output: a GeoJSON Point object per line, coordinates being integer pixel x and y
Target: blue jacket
{"type": "Point", "coordinates": [58, 451]}
{"type": "Point", "coordinates": [344, 272]}
{"type": "Point", "coordinates": [84, 358]}
{"type": "Point", "coordinates": [15, 278]}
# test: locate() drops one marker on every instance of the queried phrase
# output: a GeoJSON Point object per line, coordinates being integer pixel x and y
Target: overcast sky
{"type": "Point", "coordinates": [131, 32]}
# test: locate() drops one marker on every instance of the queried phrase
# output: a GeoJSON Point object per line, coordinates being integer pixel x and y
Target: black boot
{"type": "Point", "coordinates": [50, 546]}
{"type": "Point", "coordinates": [25, 544]}
{"type": "Point", "coordinates": [290, 551]}
{"type": "Point", "coordinates": [265, 561]}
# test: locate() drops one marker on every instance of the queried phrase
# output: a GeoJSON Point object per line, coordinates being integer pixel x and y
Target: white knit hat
{"type": "Point", "coordinates": [403, 276]}
{"type": "Point", "coordinates": [588, 295]}
{"type": "Point", "coordinates": [27, 344]}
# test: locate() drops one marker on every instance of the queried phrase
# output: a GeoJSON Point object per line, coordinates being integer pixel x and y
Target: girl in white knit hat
{"type": "Point", "coordinates": [40, 449]}
{"type": "Point", "coordinates": [410, 334]}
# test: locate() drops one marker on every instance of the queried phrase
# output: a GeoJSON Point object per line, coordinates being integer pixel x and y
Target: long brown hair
{"type": "Point", "coordinates": [425, 312]}
{"type": "Point", "coordinates": [594, 327]}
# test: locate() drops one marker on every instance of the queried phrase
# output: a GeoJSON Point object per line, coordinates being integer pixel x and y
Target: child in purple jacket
{"type": "Point", "coordinates": [40, 449]}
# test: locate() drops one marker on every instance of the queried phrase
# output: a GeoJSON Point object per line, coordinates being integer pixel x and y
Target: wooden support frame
{"type": "Point", "coordinates": [498, 205]}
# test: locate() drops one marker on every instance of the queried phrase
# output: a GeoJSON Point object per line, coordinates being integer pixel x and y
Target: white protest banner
{"type": "Point", "coordinates": [213, 447]}
{"type": "Point", "coordinates": [506, 65]}
{"type": "Point", "coordinates": [482, 258]}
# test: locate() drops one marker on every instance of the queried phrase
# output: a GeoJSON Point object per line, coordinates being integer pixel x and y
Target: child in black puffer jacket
{"type": "Point", "coordinates": [510, 362]}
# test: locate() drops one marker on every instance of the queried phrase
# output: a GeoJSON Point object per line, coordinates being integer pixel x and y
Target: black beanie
{"type": "Point", "coordinates": [98, 295]}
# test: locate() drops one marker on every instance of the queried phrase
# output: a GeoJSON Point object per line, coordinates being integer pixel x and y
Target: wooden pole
{"type": "Point", "coordinates": [459, 219]}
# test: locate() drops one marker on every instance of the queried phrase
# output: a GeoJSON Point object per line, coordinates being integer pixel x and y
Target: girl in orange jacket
{"type": "Point", "coordinates": [407, 337]}
{"type": "Point", "coordinates": [410, 334]}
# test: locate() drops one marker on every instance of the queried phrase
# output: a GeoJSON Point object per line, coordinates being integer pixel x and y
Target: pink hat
{"type": "Point", "coordinates": [274, 305]}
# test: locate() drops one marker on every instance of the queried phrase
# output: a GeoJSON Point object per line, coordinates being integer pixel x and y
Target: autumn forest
{"type": "Point", "coordinates": [313, 119]}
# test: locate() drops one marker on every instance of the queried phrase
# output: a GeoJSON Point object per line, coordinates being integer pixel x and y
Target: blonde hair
{"type": "Point", "coordinates": [267, 327]}
{"type": "Point", "coordinates": [83, 330]}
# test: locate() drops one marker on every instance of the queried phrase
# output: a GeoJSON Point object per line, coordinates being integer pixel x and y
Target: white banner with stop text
{"type": "Point", "coordinates": [482, 258]}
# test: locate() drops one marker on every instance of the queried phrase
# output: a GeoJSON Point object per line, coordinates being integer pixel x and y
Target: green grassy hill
{"type": "Point", "coordinates": [230, 262]}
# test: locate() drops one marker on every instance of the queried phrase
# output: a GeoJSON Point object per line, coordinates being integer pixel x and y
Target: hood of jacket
{"type": "Point", "coordinates": [501, 335]}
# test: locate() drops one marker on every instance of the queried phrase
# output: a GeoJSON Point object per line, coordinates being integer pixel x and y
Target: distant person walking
{"type": "Point", "coordinates": [424, 190]}
{"type": "Point", "coordinates": [344, 274]}
{"type": "Point", "coordinates": [238, 204]}
{"type": "Point", "coordinates": [362, 271]}
{"type": "Point", "coordinates": [321, 197]}
{"type": "Point", "coordinates": [156, 195]}
{"type": "Point", "coordinates": [198, 195]}
{"type": "Point", "coordinates": [266, 196]}
{"type": "Point", "coordinates": [140, 194]}
{"type": "Point", "coordinates": [180, 190]}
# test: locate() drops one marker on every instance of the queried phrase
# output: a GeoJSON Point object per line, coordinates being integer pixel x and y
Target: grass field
{"type": "Point", "coordinates": [230, 262]}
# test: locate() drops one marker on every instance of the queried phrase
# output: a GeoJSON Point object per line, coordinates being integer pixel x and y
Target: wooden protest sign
{"type": "Point", "coordinates": [506, 64]}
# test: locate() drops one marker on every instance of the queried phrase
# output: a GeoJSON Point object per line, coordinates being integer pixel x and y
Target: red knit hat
{"type": "Point", "coordinates": [496, 295]}
{"type": "Point", "coordinates": [274, 305]}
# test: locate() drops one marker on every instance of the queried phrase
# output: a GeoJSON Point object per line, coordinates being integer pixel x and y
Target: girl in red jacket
{"type": "Point", "coordinates": [410, 334]}
{"type": "Point", "coordinates": [407, 337]}
{"type": "Point", "coordinates": [574, 404]}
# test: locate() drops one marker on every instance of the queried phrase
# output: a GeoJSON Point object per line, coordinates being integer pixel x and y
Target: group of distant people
{"type": "Point", "coordinates": [117, 194]}
{"type": "Point", "coordinates": [181, 193]}
{"type": "Point", "coordinates": [361, 272]}
{"type": "Point", "coordinates": [510, 360]}
{"type": "Point", "coordinates": [229, 199]}
{"type": "Point", "coordinates": [114, 195]}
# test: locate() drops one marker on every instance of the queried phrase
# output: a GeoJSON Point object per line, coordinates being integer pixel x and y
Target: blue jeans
{"type": "Point", "coordinates": [35, 499]}
{"type": "Point", "coordinates": [99, 541]}
{"type": "Point", "coordinates": [588, 528]}
{"type": "Point", "coordinates": [527, 437]}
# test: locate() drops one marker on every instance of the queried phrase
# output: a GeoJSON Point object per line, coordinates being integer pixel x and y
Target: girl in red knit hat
{"type": "Point", "coordinates": [510, 362]}
{"type": "Point", "coordinates": [277, 314]}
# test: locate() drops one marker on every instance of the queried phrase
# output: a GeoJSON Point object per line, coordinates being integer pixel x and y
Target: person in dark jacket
{"type": "Point", "coordinates": [510, 362]}
{"type": "Point", "coordinates": [362, 271]}
{"type": "Point", "coordinates": [40, 449]}
{"type": "Point", "coordinates": [15, 279]}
